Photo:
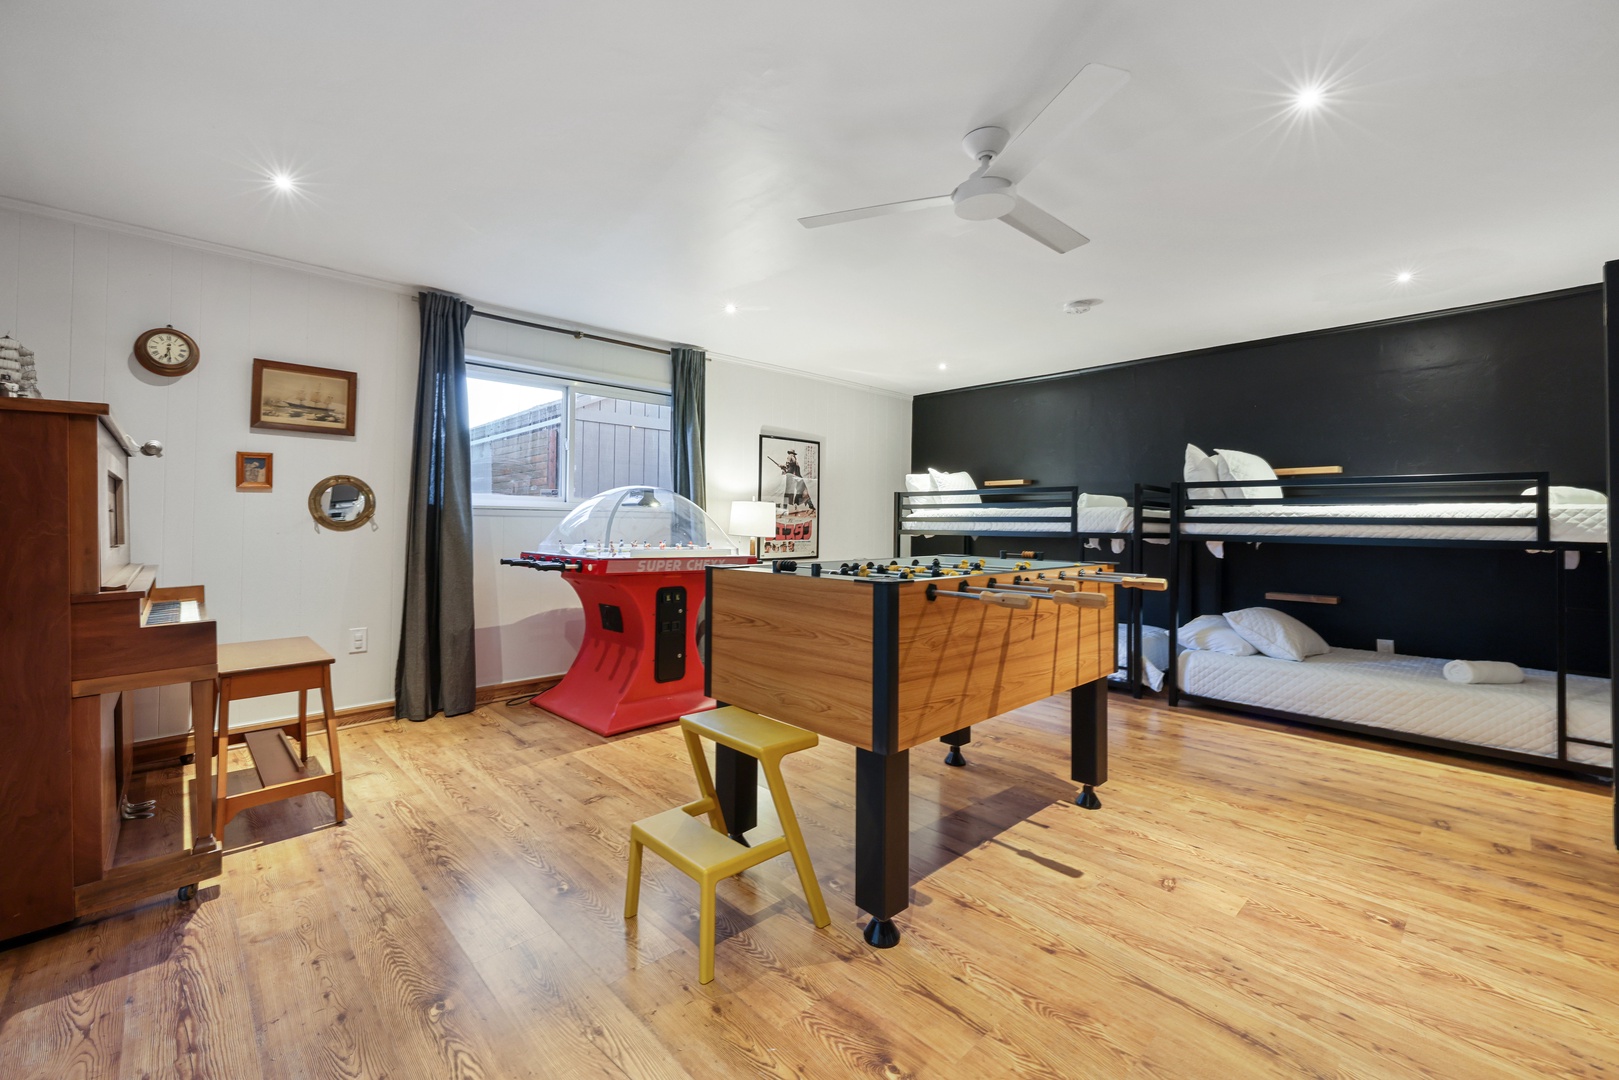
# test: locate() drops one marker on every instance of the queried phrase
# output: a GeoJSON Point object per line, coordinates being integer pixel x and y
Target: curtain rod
{"type": "Point", "coordinates": [571, 333]}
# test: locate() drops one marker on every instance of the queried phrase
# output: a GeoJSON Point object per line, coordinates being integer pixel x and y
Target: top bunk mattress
{"type": "Point", "coordinates": [1410, 694]}
{"type": "Point", "coordinates": [1571, 523]}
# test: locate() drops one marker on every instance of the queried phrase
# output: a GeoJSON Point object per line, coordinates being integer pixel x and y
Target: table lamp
{"type": "Point", "coordinates": [753, 519]}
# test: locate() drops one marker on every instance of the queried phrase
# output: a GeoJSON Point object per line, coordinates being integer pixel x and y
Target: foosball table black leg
{"type": "Point", "coordinates": [1088, 721]}
{"type": "Point", "coordinates": [956, 740]}
{"type": "Point", "coordinates": [736, 784]}
{"type": "Point", "coordinates": [882, 840]}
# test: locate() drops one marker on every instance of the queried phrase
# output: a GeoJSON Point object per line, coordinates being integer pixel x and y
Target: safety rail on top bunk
{"type": "Point", "coordinates": [1341, 491]}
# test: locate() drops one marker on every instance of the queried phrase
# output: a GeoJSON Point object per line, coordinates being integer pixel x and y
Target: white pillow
{"type": "Point", "coordinates": [920, 481]}
{"type": "Point", "coordinates": [1571, 496]}
{"type": "Point", "coordinates": [1276, 633]}
{"type": "Point", "coordinates": [1199, 466]}
{"type": "Point", "coordinates": [1236, 465]}
{"type": "Point", "coordinates": [1102, 500]}
{"type": "Point", "coordinates": [953, 481]}
{"type": "Point", "coordinates": [1212, 633]}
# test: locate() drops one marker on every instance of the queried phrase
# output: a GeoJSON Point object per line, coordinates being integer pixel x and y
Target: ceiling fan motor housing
{"type": "Point", "coordinates": [984, 198]}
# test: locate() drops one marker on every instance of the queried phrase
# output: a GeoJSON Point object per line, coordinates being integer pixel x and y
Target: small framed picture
{"type": "Point", "coordinates": [297, 397]}
{"type": "Point", "coordinates": [254, 472]}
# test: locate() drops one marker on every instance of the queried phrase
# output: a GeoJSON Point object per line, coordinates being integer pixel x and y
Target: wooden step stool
{"type": "Point", "coordinates": [249, 669]}
{"type": "Point", "coordinates": [705, 853]}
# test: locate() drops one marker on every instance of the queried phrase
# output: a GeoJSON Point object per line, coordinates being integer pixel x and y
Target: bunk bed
{"type": "Point", "coordinates": [1552, 718]}
{"type": "Point", "coordinates": [1008, 511]}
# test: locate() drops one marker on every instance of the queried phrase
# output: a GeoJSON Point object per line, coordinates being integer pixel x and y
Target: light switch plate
{"type": "Point", "coordinates": [357, 639]}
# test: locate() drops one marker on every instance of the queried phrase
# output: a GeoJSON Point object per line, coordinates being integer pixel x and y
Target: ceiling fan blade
{"type": "Point", "coordinates": [1074, 103]}
{"type": "Point", "coordinates": [882, 210]}
{"type": "Point", "coordinates": [1034, 222]}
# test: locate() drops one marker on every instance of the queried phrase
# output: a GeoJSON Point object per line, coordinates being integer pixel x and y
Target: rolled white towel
{"type": "Point", "coordinates": [1483, 671]}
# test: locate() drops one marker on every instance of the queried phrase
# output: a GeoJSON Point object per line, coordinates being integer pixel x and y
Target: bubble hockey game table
{"type": "Point", "coordinates": [885, 655]}
{"type": "Point", "coordinates": [636, 556]}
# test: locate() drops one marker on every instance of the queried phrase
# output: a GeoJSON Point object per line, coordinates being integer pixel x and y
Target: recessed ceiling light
{"type": "Point", "coordinates": [730, 309]}
{"type": "Point", "coordinates": [1309, 98]}
{"type": "Point", "coordinates": [941, 367]}
{"type": "Point", "coordinates": [283, 182]}
{"type": "Point", "coordinates": [1403, 277]}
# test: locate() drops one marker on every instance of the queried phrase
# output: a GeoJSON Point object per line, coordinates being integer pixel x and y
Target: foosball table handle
{"type": "Point", "coordinates": [1081, 599]}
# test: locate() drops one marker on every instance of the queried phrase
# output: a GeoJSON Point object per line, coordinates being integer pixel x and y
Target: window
{"type": "Point", "coordinates": [539, 440]}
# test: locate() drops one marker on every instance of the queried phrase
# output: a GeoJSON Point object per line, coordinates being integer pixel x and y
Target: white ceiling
{"type": "Point", "coordinates": [638, 164]}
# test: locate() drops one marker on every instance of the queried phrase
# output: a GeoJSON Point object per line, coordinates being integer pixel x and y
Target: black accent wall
{"type": "Point", "coordinates": [1516, 385]}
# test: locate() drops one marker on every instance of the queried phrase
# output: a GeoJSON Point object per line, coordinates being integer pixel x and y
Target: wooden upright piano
{"type": "Point", "coordinates": [80, 627]}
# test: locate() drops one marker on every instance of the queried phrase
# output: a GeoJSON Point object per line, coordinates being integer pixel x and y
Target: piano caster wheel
{"type": "Point", "coordinates": [1087, 798]}
{"type": "Point", "coordinates": [187, 893]}
{"type": "Point", "coordinates": [882, 933]}
{"type": "Point", "coordinates": [954, 758]}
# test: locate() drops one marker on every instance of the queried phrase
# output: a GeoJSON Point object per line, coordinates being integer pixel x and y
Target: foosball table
{"type": "Point", "coordinates": [886, 655]}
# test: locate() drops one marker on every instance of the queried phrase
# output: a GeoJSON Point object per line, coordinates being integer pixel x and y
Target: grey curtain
{"type": "Point", "coordinates": [436, 671]}
{"type": "Point", "coordinates": [689, 367]}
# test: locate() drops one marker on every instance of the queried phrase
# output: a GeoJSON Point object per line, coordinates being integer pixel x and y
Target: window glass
{"type": "Point", "coordinates": [539, 440]}
{"type": "Point", "coordinates": [619, 437]}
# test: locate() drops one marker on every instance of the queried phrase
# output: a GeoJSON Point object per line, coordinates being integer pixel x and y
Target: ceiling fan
{"type": "Point", "coordinates": [991, 191]}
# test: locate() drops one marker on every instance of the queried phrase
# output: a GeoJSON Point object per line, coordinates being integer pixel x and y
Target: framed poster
{"type": "Point", "coordinates": [790, 477]}
{"type": "Point", "coordinates": [297, 397]}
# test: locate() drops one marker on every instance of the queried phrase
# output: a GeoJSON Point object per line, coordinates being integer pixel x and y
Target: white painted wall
{"type": "Point", "coordinates": [530, 624]}
{"type": "Point", "coordinates": [865, 440]}
{"type": "Point", "coordinates": [79, 295]}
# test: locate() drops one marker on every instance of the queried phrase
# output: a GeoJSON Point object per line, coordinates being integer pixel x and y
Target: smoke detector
{"type": "Point", "coordinates": [1079, 307]}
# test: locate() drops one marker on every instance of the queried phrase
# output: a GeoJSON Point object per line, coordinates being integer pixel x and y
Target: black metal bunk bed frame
{"type": "Point", "coordinates": [1502, 487]}
{"type": "Point", "coordinates": [1148, 497]}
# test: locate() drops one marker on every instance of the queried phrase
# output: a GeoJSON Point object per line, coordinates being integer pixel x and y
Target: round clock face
{"type": "Point", "coordinates": [166, 352]}
{"type": "Point", "coordinates": [170, 350]}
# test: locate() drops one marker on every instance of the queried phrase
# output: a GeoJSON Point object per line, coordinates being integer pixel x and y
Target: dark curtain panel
{"type": "Point", "coordinates": [687, 428]}
{"type": "Point", "coordinates": [435, 671]}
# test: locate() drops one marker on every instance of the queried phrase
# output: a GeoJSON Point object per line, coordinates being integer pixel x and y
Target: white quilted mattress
{"type": "Point", "coordinates": [1030, 520]}
{"type": "Point", "coordinates": [1584, 523]}
{"type": "Point", "coordinates": [1410, 694]}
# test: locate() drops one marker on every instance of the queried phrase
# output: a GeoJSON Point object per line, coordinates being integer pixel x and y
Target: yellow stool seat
{"type": "Point", "coordinates": [703, 851]}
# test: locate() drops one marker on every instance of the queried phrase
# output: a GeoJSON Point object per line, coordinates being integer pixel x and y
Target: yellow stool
{"type": "Point", "coordinates": [705, 853]}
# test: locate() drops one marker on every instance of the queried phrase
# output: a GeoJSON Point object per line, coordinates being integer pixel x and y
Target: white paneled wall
{"type": "Point", "coordinates": [865, 448]}
{"type": "Point", "coordinates": [79, 296]}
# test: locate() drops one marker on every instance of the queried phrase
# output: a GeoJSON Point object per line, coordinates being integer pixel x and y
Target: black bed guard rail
{"type": "Point", "coordinates": [1420, 489]}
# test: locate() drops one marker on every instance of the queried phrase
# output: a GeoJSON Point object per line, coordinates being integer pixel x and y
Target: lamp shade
{"type": "Point", "coordinates": [753, 519]}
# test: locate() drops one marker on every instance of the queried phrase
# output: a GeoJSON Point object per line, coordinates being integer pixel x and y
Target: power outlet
{"type": "Point", "coordinates": [1385, 644]}
{"type": "Point", "coordinates": [357, 640]}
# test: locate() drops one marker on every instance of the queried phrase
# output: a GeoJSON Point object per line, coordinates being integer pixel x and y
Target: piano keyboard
{"type": "Point", "coordinates": [167, 612]}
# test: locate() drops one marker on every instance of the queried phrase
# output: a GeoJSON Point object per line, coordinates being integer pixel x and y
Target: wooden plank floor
{"type": "Point", "coordinates": [1251, 902]}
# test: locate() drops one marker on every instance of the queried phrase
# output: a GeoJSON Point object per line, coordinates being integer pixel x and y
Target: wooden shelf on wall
{"type": "Point", "coordinates": [1301, 598]}
{"type": "Point", "coordinates": [1007, 483]}
{"type": "Point", "coordinates": [1311, 470]}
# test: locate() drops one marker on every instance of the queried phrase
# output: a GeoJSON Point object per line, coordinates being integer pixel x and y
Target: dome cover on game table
{"type": "Point", "coordinates": [636, 519]}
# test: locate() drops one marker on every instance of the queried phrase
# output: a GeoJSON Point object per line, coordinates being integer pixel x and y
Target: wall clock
{"type": "Point", "coordinates": [167, 351]}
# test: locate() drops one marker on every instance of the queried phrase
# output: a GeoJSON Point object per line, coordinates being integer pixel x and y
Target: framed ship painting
{"type": "Point", "coordinates": [297, 397]}
{"type": "Point", "coordinates": [790, 477]}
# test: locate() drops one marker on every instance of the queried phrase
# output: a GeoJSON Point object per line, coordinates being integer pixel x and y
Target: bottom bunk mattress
{"type": "Point", "coordinates": [1410, 694]}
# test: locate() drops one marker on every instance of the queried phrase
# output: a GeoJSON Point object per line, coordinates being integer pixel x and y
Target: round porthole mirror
{"type": "Point", "coordinates": [342, 502]}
